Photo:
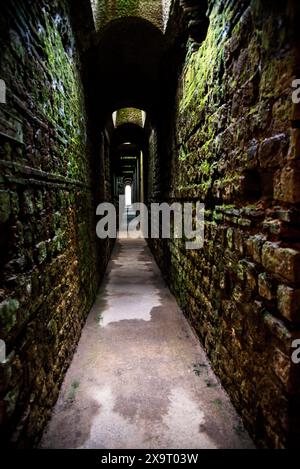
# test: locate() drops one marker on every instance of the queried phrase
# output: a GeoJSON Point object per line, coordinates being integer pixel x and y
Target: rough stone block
{"type": "Point", "coordinates": [286, 371]}
{"type": "Point", "coordinates": [28, 203]}
{"type": "Point", "coordinates": [287, 185]}
{"type": "Point", "coordinates": [10, 401]}
{"type": "Point", "coordinates": [14, 200]}
{"type": "Point", "coordinates": [294, 149]}
{"type": "Point", "coordinates": [254, 247]}
{"type": "Point", "coordinates": [296, 111]}
{"type": "Point", "coordinates": [239, 242]}
{"type": "Point", "coordinates": [277, 328]}
{"type": "Point", "coordinates": [250, 275]}
{"type": "Point", "coordinates": [8, 315]}
{"type": "Point", "coordinates": [252, 154]}
{"type": "Point", "coordinates": [41, 252]}
{"type": "Point", "coordinates": [284, 262]}
{"type": "Point", "coordinates": [266, 286]}
{"type": "Point", "coordinates": [287, 215]}
{"type": "Point", "coordinates": [229, 236]}
{"type": "Point", "coordinates": [272, 151]}
{"type": "Point", "coordinates": [5, 207]}
{"type": "Point", "coordinates": [288, 300]}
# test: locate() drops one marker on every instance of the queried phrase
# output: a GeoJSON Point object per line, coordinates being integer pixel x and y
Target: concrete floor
{"type": "Point", "coordinates": [139, 378]}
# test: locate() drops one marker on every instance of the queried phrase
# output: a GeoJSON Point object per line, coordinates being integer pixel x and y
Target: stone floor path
{"type": "Point", "coordinates": [139, 378]}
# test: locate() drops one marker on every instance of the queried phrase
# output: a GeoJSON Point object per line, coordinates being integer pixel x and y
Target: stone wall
{"type": "Point", "coordinates": [50, 262]}
{"type": "Point", "coordinates": [229, 139]}
{"type": "Point", "coordinates": [235, 146]}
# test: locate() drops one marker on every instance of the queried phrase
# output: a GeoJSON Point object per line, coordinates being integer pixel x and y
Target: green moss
{"type": "Point", "coordinates": [8, 314]}
{"type": "Point", "coordinates": [73, 390]}
{"type": "Point", "coordinates": [108, 10]}
{"type": "Point", "coordinates": [183, 153]}
{"type": "Point", "coordinates": [10, 401]}
{"type": "Point", "coordinates": [52, 328]}
{"type": "Point", "coordinates": [132, 115]}
{"type": "Point", "coordinates": [205, 168]}
{"type": "Point", "coordinates": [127, 7]}
{"type": "Point", "coordinates": [199, 367]}
{"type": "Point", "coordinates": [60, 99]}
{"type": "Point", "coordinates": [199, 70]}
{"type": "Point", "coordinates": [5, 207]}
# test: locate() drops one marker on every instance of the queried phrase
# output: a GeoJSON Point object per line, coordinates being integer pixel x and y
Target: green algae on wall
{"type": "Point", "coordinates": [49, 259]}
{"type": "Point", "coordinates": [109, 10]}
{"type": "Point", "coordinates": [233, 149]}
{"type": "Point", "coordinates": [63, 104]}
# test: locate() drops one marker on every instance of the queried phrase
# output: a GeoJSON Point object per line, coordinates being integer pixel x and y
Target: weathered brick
{"type": "Point", "coordinates": [5, 207]}
{"type": "Point", "coordinates": [50, 265]}
{"type": "Point", "coordinates": [294, 149]}
{"type": "Point", "coordinates": [278, 329]}
{"type": "Point", "coordinates": [287, 185]}
{"type": "Point", "coordinates": [272, 151]}
{"type": "Point", "coordinates": [254, 247]}
{"type": "Point", "coordinates": [28, 202]}
{"type": "Point", "coordinates": [8, 315]}
{"type": "Point", "coordinates": [284, 262]}
{"type": "Point", "coordinates": [266, 287]}
{"type": "Point", "coordinates": [10, 401]}
{"type": "Point", "coordinates": [286, 371]}
{"type": "Point", "coordinates": [289, 302]}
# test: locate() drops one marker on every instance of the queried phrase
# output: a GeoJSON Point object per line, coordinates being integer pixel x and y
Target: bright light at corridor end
{"type": "Point", "coordinates": [128, 200]}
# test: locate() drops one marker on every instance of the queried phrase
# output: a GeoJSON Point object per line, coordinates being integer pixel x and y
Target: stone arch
{"type": "Point", "coordinates": [129, 139]}
{"type": "Point", "coordinates": [154, 11]}
{"type": "Point", "coordinates": [124, 65]}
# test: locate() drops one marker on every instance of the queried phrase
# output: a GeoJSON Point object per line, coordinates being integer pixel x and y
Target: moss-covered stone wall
{"type": "Point", "coordinates": [230, 140]}
{"type": "Point", "coordinates": [50, 264]}
{"type": "Point", "coordinates": [235, 146]}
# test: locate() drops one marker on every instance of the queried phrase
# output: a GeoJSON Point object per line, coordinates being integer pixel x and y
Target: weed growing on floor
{"type": "Point", "coordinates": [239, 429]}
{"type": "Point", "coordinates": [73, 390]}
{"type": "Point", "coordinates": [218, 403]}
{"type": "Point", "coordinates": [198, 367]}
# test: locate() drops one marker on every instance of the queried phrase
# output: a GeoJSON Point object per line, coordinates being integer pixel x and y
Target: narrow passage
{"type": "Point", "coordinates": [139, 378]}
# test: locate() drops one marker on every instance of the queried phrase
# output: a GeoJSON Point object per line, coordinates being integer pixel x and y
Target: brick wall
{"type": "Point", "coordinates": [234, 147]}
{"type": "Point", "coordinates": [50, 263]}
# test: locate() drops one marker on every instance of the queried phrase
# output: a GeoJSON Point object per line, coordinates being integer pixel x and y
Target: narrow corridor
{"type": "Point", "coordinates": [181, 119]}
{"type": "Point", "coordinates": [139, 378]}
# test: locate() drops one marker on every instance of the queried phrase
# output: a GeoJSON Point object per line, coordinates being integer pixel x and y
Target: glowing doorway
{"type": "Point", "coordinates": [128, 195]}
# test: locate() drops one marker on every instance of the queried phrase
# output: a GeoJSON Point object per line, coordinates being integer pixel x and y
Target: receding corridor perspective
{"type": "Point", "coordinates": [108, 342]}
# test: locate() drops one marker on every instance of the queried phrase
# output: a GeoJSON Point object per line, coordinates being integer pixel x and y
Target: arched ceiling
{"type": "Point", "coordinates": [129, 133]}
{"type": "Point", "coordinates": [125, 65]}
{"type": "Point", "coordinates": [126, 115]}
{"type": "Point", "coordinates": [154, 11]}
{"type": "Point", "coordinates": [130, 65]}
{"type": "Point", "coordinates": [127, 142]}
